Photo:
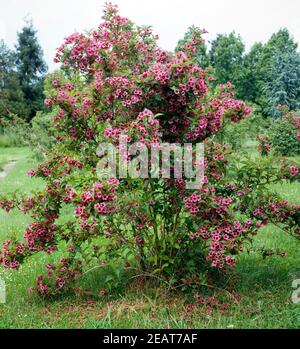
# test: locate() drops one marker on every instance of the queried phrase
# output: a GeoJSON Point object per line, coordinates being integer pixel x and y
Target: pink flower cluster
{"type": "Point", "coordinates": [290, 172]}
{"type": "Point", "coordinates": [295, 120]}
{"type": "Point", "coordinates": [12, 254]}
{"type": "Point", "coordinates": [7, 205]}
{"type": "Point", "coordinates": [99, 200]}
{"type": "Point", "coordinates": [40, 237]}
{"type": "Point", "coordinates": [58, 277]}
{"type": "Point", "coordinates": [294, 171]}
{"type": "Point", "coordinates": [279, 211]}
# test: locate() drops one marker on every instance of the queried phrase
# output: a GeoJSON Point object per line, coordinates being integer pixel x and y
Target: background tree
{"type": "Point", "coordinates": [11, 95]}
{"type": "Point", "coordinates": [248, 84]}
{"type": "Point", "coordinates": [280, 43]}
{"type": "Point", "coordinates": [226, 56]}
{"type": "Point", "coordinates": [283, 82]}
{"type": "Point", "coordinates": [31, 68]}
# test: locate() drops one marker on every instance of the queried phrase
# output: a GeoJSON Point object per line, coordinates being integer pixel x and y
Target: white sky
{"type": "Point", "coordinates": [255, 20]}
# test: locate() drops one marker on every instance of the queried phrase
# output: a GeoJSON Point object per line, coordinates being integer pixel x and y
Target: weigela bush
{"type": "Point", "coordinates": [115, 80]}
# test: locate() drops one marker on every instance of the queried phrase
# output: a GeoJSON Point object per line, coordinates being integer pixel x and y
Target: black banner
{"type": "Point", "coordinates": [148, 338]}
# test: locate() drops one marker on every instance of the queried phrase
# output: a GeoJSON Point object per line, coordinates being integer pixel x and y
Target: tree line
{"type": "Point", "coordinates": [22, 73]}
{"type": "Point", "coordinates": [268, 75]}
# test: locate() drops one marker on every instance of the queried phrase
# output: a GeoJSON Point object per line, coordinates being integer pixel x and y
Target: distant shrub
{"type": "Point", "coordinates": [239, 135]}
{"type": "Point", "coordinates": [42, 139]}
{"type": "Point", "coordinates": [284, 135]}
{"type": "Point", "coordinates": [14, 132]}
{"type": "Point", "coordinates": [264, 146]}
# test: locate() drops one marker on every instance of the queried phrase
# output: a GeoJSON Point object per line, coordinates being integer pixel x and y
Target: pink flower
{"type": "Point", "coordinates": [31, 173]}
{"type": "Point", "coordinates": [48, 102]}
{"type": "Point", "coordinates": [294, 171]}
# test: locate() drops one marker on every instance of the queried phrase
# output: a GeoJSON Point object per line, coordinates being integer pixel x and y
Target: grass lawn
{"type": "Point", "coordinates": [259, 298]}
{"type": "Point", "coordinates": [11, 154]}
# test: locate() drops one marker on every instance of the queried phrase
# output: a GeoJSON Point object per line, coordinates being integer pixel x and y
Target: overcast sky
{"type": "Point", "coordinates": [255, 20]}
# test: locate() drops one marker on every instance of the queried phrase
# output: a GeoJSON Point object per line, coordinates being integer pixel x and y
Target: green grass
{"type": "Point", "coordinates": [13, 154]}
{"type": "Point", "coordinates": [13, 138]}
{"type": "Point", "coordinates": [260, 295]}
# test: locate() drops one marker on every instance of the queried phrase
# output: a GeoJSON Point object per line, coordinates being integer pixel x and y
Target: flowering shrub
{"type": "Point", "coordinates": [285, 135]}
{"type": "Point", "coordinates": [115, 80]}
